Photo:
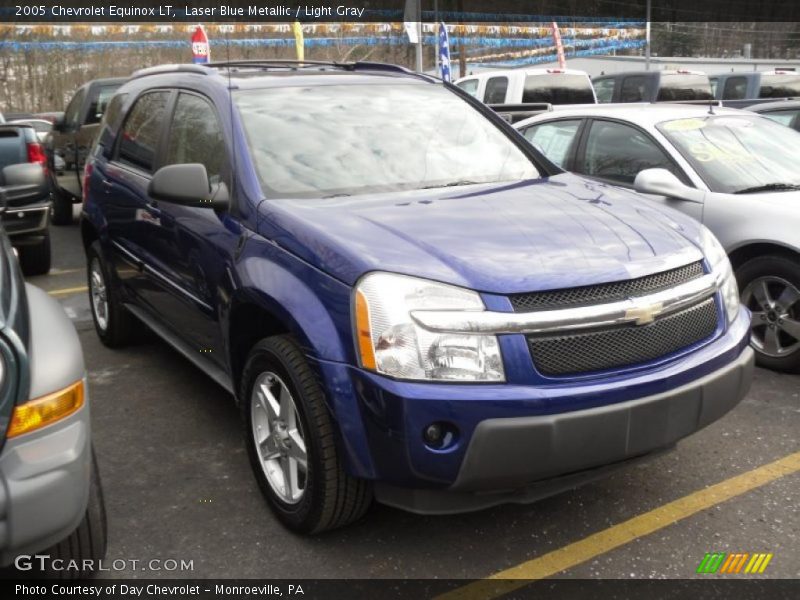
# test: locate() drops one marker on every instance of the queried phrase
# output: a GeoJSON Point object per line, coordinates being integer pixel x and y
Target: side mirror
{"type": "Point", "coordinates": [663, 183]}
{"type": "Point", "coordinates": [187, 185]}
{"type": "Point", "coordinates": [22, 180]}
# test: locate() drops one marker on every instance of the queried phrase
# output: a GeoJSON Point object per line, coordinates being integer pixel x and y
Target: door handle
{"type": "Point", "coordinates": [107, 185]}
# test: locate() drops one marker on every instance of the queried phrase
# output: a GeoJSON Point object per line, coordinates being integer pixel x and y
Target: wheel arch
{"type": "Point", "coordinates": [88, 233]}
{"type": "Point", "coordinates": [749, 250]}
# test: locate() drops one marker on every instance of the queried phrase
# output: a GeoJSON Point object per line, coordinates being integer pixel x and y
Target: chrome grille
{"type": "Point", "coordinates": [620, 346]}
{"type": "Point", "coordinates": [606, 292]}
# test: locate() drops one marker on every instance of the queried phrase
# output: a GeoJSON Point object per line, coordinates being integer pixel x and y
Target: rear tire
{"type": "Point", "coordinates": [62, 208]}
{"type": "Point", "coordinates": [329, 497]}
{"type": "Point", "coordinates": [36, 259]}
{"type": "Point", "coordinates": [114, 325]}
{"type": "Point", "coordinates": [770, 288]}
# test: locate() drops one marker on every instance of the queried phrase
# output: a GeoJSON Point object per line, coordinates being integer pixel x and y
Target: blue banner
{"type": "Point", "coordinates": [444, 52]}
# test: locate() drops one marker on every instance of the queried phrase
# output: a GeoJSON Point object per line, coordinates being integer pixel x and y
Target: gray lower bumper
{"type": "Point", "coordinates": [526, 459]}
{"type": "Point", "coordinates": [44, 485]}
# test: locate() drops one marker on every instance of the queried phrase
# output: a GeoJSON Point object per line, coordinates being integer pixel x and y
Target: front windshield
{"type": "Point", "coordinates": [334, 140]}
{"type": "Point", "coordinates": [738, 153]}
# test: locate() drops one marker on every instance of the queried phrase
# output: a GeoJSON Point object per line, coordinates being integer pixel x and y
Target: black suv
{"type": "Point", "coordinates": [72, 136]}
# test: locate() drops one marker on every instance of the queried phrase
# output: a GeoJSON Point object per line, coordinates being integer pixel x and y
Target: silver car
{"type": "Point", "coordinates": [737, 172]}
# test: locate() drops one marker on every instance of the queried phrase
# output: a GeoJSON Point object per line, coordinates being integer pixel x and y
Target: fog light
{"type": "Point", "coordinates": [440, 435]}
{"type": "Point", "coordinates": [433, 434]}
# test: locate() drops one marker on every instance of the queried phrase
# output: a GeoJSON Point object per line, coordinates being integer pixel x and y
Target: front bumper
{"type": "Point", "coordinates": [513, 435]}
{"type": "Point", "coordinates": [529, 458]}
{"type": "Point", "coordinates": [44, 484]}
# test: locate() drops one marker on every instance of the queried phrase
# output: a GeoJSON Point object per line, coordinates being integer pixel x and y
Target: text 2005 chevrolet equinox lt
{"type": "Point", "coordinates": [407, 301]}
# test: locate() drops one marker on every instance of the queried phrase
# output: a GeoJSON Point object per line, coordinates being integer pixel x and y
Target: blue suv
{"type": "Point", "coordinates": [407, 300]}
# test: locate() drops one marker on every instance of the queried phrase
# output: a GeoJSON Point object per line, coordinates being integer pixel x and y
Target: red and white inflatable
{"type": "Point", "coordinates": [201, 53]}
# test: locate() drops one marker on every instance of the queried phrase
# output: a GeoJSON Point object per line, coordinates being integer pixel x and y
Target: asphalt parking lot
{"type": "Point", "coordinates": [178, 485]}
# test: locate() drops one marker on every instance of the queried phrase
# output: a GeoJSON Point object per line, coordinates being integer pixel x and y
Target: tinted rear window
{"type": "Point", "coordinates": [558, 88]}
{"type": "Point", "coordinates": [680, 86]}
{"type": "Point", "coordinates": [10, 149]}
{"type": "Point", "coordinates": [779, 86]}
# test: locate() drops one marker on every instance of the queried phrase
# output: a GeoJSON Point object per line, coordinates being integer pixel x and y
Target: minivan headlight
{"type": "Point", "coordinates": [391, 343]}
{"type": "Point", "coordinates": [722, 270]}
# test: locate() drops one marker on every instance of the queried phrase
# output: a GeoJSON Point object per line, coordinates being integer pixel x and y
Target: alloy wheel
{"type": "Point", "coordinates": [775, 306]}
{"type": "Point", "coordinates": [278, 436]}
{"type": "Point", "coordinates": [98, 294]}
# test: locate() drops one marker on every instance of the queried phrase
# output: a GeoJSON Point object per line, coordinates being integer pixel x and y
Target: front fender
{"type": "Point", "coordinates": [315, 308]}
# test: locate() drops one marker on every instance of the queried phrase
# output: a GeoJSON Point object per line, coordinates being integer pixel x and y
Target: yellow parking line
{"type": "Point", "coordinates": [508, 580]}
{"type": "Point", "coordinates": [68, 291]}
{"type": "Point", "coordinates": [64, 271]}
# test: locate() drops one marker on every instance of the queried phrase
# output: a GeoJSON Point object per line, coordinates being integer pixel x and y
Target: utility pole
{"type": "Point", "coordinates": [647, 40]}
{"type": "Point", "coordinates": [436, 31]}
{"type": "Point", "coordinates": [419, 36]}
{"type": "Point", "coordinates": [462, 51]}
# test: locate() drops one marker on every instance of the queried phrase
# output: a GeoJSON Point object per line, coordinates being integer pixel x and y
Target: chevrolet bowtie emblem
{"type": "Point", "coordinates": [644, 314]}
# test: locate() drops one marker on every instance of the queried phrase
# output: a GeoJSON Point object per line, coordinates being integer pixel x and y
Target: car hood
{"type": "Point", "coordinates": [557, 232]}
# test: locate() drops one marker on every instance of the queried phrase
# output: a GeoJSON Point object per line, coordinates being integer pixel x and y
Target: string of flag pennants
{"type": "Point", "coordinates": [456, 41]}
{"type": "Point", "coordinates": [507, 45]}
{"type": "Point", "coordinates": [617, 30]}
{"type": "Point", "coordinates": [548, 55]}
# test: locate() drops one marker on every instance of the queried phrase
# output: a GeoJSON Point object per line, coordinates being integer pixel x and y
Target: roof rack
{"type": "Point", "coordinates": [277, 63]}
{"type": "Point", "coordinates": [171, 68]}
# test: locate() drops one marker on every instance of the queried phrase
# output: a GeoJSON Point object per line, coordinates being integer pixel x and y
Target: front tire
{"type": "Point", "coordinates": [89, 541]}
{"type": "Point", "coordinates": [36, 259]}
{"type": "Point", "coordinates": [771, 290]}
{"type": "Point", "coordinates": [290, 441]}
{"type": "Point", "coordinates": [112, 321]}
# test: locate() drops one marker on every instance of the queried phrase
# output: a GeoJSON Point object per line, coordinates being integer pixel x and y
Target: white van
{"type": "Point", "coordinates": [526, 86]}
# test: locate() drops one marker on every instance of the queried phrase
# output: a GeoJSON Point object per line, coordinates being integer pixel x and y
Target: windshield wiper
{"type": "Point", "coordinates": [770, 187]}
{"type": "Point", "coordinates": [450, 184]}
{"type": "Point", "coordinates": [341, 195]}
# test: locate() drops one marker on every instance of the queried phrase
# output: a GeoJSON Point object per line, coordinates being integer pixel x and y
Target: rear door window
{"type": "Point", "coordinates": [495, 92]}
{"type": "Point", "coordinates": [558, 88]}
{"type": "Point", "coordinates": [142, 130]}
{"type": "Point", "coordinates": [617, 152]}
{"type": "Point", "coordinates": [554, 139]}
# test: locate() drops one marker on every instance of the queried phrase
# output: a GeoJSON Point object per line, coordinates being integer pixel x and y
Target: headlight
{"type": "Point", "coordinates": [389, 342]}
{"type": "Point", "coordinates": [722, 270]}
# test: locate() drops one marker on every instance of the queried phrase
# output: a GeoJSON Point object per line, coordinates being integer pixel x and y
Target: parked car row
{"type": "Point", "coordinates": [570, 86]}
